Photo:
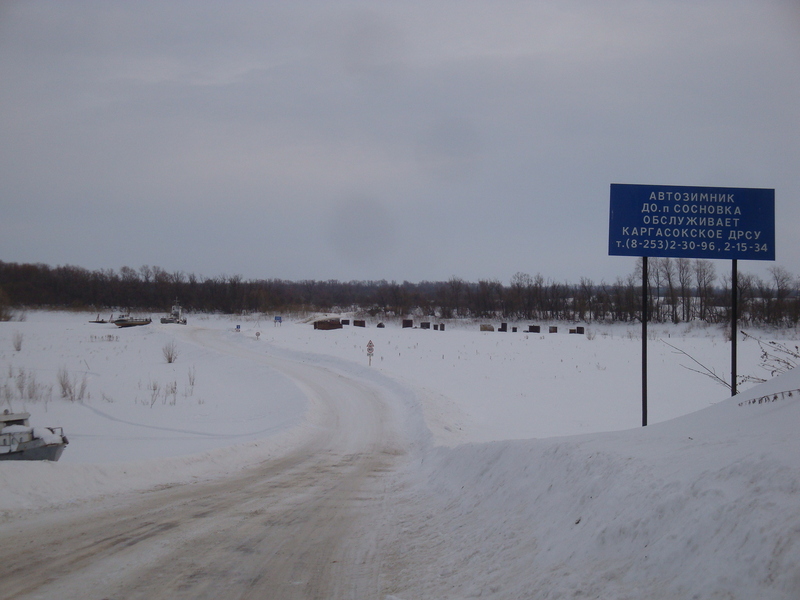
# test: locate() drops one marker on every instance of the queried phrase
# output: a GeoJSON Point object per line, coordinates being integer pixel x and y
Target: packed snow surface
{"type": "Point", "coordinates": [532, 477]}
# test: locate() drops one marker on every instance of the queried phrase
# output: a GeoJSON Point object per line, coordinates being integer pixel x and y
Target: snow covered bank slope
{"type": "Point", "coordinates": [135, 421]}
{"type": "Point", "coordinates": [479, 386]}
{"type": "Point", "coordinates": [703, 506]}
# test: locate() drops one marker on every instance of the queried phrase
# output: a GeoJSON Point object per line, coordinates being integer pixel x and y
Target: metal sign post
{"type": "Point", "coordinates": [644, 340]}
{"type": "Point", "coordinates": [691, 222]}
{"type": "Point", "coordinates": [734, 321]}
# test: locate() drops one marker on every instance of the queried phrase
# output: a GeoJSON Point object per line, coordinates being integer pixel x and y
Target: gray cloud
{"type": "Point", "coordinates": [481, 140]}
{"type": "Point", "coordinates": [361, 232]}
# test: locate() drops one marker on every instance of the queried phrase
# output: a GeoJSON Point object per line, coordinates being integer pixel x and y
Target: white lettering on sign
{"type": "Point", "coordinates": [690, 197]}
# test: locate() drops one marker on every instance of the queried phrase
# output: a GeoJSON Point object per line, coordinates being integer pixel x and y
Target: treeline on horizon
{"type": "Point", "coordinates": [681, 290]}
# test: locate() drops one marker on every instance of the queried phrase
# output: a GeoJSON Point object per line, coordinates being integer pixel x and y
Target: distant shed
{"type": "Point", "coordinates": [328, 323]}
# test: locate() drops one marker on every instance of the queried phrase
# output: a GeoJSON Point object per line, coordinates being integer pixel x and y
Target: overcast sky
{"type": "Point", "coordinates": [413, 140]}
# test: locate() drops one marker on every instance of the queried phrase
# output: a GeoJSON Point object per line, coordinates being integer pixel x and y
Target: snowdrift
{"type": "Point", "coordinates": [703, 506]}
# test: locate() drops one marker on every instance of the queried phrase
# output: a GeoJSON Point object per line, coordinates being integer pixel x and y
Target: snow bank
{"type": "Point", "coordinates": [704, 506]}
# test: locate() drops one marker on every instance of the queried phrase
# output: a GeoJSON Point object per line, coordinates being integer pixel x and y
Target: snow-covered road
{"type": "Point", "coordinates": [307, 524]}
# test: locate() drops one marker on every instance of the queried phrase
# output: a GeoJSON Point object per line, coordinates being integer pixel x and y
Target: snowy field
{"type": "Point", "coordinates": [532, 477]}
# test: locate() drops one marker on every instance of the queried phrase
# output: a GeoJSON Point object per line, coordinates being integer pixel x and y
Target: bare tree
{"type": "Point", "coordinates": [5, 313]}
{"type": "Point", "coordinates": [782, 280]}
{"type": "Point", "coordinates": [584, 299]}
{"type": "Point", "coordinates": [536, 296]}
{"type": "Point", "coordinates": [455, 296]}
{"type": "Point", "coordinates": [516, 299]}
{"type": "Point", "coordinates": [704, 273]}
{"type": "Point", "coordinates": [683, 267]}
{"type": "Point", "coordinates": [656, 281]}
{"type": "Point", "coordinates": [146, 273]}
{"type": "Point", "coordinates": [488, 297]}
{"type": "Point", "coordinates": [667, 267]}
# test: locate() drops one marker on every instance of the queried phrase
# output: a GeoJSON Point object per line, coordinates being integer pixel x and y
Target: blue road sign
{"type": "Point", "coordinates": [692, 222]}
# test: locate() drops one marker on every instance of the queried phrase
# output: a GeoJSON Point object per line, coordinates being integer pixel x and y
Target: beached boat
{"type": "Point", "coordinates": [20, 441]}
{"type": "Point", "coordinates": [176, 316]}
{"type": "Point", "coordinates": [129, 321]}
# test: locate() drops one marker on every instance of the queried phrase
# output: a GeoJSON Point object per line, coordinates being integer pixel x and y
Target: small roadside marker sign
{"type": "Point", "coordinates": [370, 351]}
